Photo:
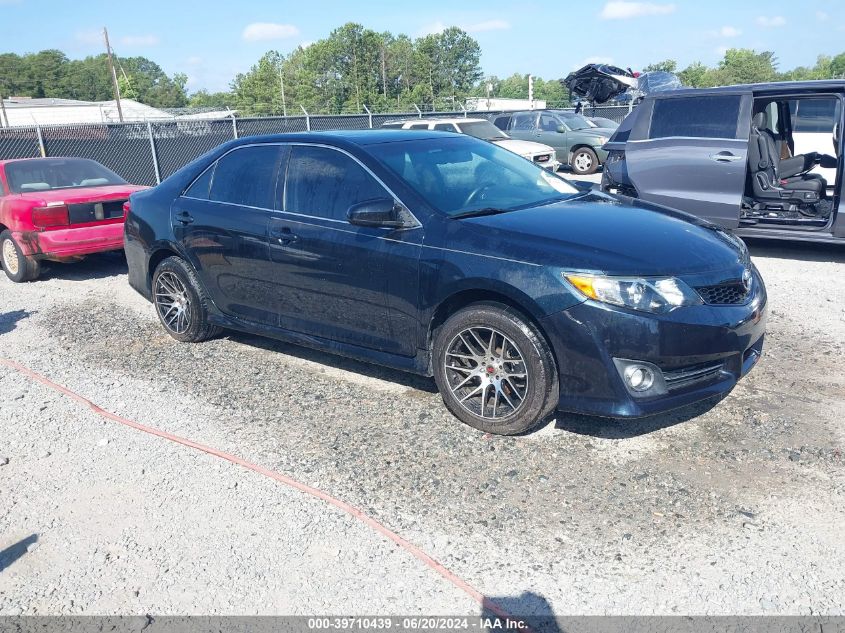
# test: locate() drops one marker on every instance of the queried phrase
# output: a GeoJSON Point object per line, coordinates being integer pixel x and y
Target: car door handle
{"type": "Point", "coordinates": [725, 157]}
{"type": "Point", "coordinates": [283, 235]}
{"type": "Point", "coordinates": [184, 217]}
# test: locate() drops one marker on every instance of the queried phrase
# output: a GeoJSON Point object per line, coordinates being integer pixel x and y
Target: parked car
{"type": "Point", "coordinates": [600, 121]}
{"type": "Point", "coordinates": [58, 209]}
{"type": "Point", "coordinates": [732, 155]}
{"type": "Point", "coordinates": [543, 155]}
{"type": "Point", "coordinates": [451, 257]}
{"type": "Point", "coordinates": [569, 134]}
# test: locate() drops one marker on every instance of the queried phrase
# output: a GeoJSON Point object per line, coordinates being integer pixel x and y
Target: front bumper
{"type": "Point", "coordinates": [702, 351]}
{"type": "Point", "coordinates": [70, 242]}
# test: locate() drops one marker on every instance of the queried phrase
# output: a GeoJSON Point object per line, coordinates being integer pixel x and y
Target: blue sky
{"type": "Point", "coordinates": [211, 41]}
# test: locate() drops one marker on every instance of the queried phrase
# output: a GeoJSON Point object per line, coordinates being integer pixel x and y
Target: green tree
{"type": "Point", "coordinates": [745, 66]}
{"type": "Point", "coordinates": [667, 65]}
{"type": "Point", "coordinates": [693, 75]}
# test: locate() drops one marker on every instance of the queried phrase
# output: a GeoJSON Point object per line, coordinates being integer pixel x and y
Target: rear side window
{"type": "Point", "coordinates": [523, 122]}
{"type": "Point", "coordinates": [502, 122]}
{"type": "Point", "coordinates": [697, 117]}
{"type": "Point", "coordinates": [247, 176]}
{"type": "Point", "coordinates": [418, 126]}
{"type": "Point", "coordinates": [444, 127]}
{"type": "Point", "coordinates": [200, 187]}
{"type": "Point", "coordinates": [324, 183]}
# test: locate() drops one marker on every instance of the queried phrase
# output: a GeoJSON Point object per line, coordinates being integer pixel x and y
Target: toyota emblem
{"type": "Point", "coordinates": [746, 279]}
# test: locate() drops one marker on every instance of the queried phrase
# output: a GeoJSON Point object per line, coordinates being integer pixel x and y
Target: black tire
{"type": "Point", "coordinates": [21, 268]}
{"type": "Point", "coordinates": [541, 382]}
{"type": "Point", "coordinates": [584, 161]}
{"type": "Point", "coordinates": [196, 325]}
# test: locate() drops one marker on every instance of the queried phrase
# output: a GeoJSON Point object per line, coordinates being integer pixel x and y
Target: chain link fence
{"type": "Point", "coordinates": [146, 153]}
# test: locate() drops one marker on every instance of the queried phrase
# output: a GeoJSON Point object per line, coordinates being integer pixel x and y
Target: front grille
{"type": "Point", "coordinates": [732, 293]}
{"type": "Point", "coordinates": [542, 158]}
{"type": "Point", "coordinates": [678, 378]}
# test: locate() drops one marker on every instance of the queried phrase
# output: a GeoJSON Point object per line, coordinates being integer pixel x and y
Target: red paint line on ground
{"type": "Point", "coordinates": [412, 549]}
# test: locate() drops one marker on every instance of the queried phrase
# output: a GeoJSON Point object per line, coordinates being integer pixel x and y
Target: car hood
{"type": "Point", "coordinates": [598, 232]}
{"type": "Point", "coordinates": [81, 194]}
{"type": "Point", "coordinates": [523, 147]}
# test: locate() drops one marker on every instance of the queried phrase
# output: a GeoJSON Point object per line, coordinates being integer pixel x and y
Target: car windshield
{"type": "Point", "coordinates": [462, 175]}
{"type": "Point", "coordinates": [576, 122]}
{"type": "Point", "coordinates": [483, 130]}
{"type": "Point", "coordinates": [45, 174]}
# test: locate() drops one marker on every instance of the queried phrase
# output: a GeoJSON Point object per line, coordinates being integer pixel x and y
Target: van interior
{"type": "Point", "coordinates": [793, 162]}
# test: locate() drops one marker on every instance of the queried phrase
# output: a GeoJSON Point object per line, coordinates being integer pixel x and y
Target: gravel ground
{"type": "Point", "coordinates": [732, 508]}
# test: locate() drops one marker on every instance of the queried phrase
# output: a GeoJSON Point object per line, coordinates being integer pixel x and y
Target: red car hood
{"type": "Point", "coordinates": [82, 194]}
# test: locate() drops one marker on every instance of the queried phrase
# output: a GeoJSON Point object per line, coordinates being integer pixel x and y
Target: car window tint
{"type": "Point", "coordinates": [502, 122]}
{"type": "Point", "coordinates": [324, 183]}
{"type": "Point", "coordinates": [698, 117]}
{"type": "Point", "coordinates": [445, 127]}
{"type": "Point", "coordinates": [246, 176]}
{"type": "Point", "coordinates": [199, 188]}
{"type": "Point", "coordinates": [549, 122]}
{"type": "Point", "coordinates": [522, 122]}
{"type": "Point", "coordinates": [814, 115]}
{"type": "Point", "coordinates": [418, 126]}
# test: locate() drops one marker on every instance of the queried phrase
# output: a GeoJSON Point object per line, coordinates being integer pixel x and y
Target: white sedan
{"type": "Point", "coordinates": [541, 154]}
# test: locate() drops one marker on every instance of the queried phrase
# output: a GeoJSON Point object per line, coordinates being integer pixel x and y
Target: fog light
{"type": "Point", "coordinates": [639, 377]}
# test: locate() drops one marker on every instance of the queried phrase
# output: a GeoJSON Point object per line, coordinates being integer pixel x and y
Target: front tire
{"type": "Point", "coordinates": [494, 370]}
{"type": "Point", "coordinates": [584, 161]}
{"type": "Point", "coordinates": [18, 267]}
{"type": "Point", "coordinates": [181, 303]}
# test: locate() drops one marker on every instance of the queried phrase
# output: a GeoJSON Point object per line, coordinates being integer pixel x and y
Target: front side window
{"type": "Point", "coordinates": [45, 174]}
{"type": "Point", "coordinates": [483, 130]}
{"type": "Point", "coordinates": [324, 183]}
{"type": "Point", "coordinates": [697, 117]}
{"type": "Point", "coordinates": [814, 115]}
{"type": "Point", "coordinates": [462, 174]}
{"type": "Point", "coordinates": [444, 127]}
{"type": "Point", "coordinates": [247, 176]}
{"type": "Point", "coordinates": [549, 122]}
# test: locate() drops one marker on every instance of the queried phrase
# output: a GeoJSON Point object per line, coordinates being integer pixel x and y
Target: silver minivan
{"type": "Point", "coordinates": [738, 156]}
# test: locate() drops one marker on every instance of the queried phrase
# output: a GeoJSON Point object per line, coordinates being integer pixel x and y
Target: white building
{"type": "Point", "coordinates": [23, 111]}
{"type": "Point", "coordinates": [482, 104]}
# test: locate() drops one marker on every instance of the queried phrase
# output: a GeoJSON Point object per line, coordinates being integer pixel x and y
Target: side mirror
{"type": "Point", "coordinates": [382, 212]}
{"type": "Point", "coordinates": [562, 129]}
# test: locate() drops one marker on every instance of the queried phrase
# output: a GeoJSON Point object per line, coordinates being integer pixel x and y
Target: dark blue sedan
{"type": "Point", "coordinates": [447, 256]}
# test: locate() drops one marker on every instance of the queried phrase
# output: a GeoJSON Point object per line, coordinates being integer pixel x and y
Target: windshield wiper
{"type": "Point", "coordinates": [474, 213]}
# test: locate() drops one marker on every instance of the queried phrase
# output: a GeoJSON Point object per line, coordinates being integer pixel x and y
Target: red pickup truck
{"type": "Point", "coordinates": [58, 209]}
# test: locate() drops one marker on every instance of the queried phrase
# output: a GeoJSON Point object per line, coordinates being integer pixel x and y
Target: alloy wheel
{"type": "Point", "coordinates": [486, 372]}
{"type": "Point", "coordinates": [10, 257]}
{"type": "Point", "coordinates": [173, 302]}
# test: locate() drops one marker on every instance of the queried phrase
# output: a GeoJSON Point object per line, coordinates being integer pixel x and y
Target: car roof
{"type": "Point", "coordinates": [458, 119]}
{"type": "Point", "coordinates": [7, 161]}
{"type": "Point", "coordinates": [345, 137]}
{"type": "Point", "coordinates": [818, 85]}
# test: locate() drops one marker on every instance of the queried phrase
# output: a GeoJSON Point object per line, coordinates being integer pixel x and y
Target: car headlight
{"type": "Point", "coordinates": [648, 294]}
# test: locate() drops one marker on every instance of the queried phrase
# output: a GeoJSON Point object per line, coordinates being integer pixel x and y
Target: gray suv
{"type": "Point", "coordinates": [763, 159]}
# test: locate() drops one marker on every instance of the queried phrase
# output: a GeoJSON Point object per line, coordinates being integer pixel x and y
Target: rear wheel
{"type": "Point", "coordinates": [180, 302]}
{"type": "Point", "coordinates": [494, 370]}
{"type": "Point", "coordinates": [584, 161]}
{"type": "Point", "coordinates": [18, 267]}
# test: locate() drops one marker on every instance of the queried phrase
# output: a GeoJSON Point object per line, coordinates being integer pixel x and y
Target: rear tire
{"type": "Point", "coordinates": [584, 161]}
{"type": "Point", "coordinates": [181, 303]}
{"type": "Point", "coordinates": [17, 266]}
{"type": "Point", "coordinates": [494, 369]}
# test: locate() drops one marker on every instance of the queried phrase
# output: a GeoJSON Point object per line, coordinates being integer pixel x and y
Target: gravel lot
{"type": "Point", "coordinates": [735, 508]}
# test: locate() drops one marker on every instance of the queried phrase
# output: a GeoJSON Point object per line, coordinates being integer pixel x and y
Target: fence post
{"type": "Point", "coordinates": [234, 122]}
{"type": "Point", "coordinates": [370, 115]}
{"type": "Point", "coordinates": [41, 147]}
{"type": "Point", "coordinates": [153, 152]}
{"type": "Point", "coordinates": [464, 109]}
{"type": "Point", "coordinates": [419, 112]}
{"type": "Point", "coordinates": [307, 118]}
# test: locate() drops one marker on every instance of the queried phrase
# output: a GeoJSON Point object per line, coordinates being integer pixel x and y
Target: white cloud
{"type": "Point", "coordinates": [479, 27]}
{"type": "Point", "coordinates": [139, 40]}
{"type": "Point", "coordinates": [822, 16]}
{"type": "Point", "coordinates": [729, 31]}
{"type": "Point", "coordinates": [771, 22]}
{"type": "Point", "coordinates": [89, 37]}
{"type": "Point", "coordinates": [627, 10]}
{"type": "Point", "coordinates": [489, 25]}
{"type": "Point", "coordinates": [596, 59]}
{"type": "Point", "coordinates": [259, 31]}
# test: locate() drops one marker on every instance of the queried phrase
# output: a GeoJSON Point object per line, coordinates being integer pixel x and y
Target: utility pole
{"type": "Point", "coordinates": [282, 82]}
{"type": "Point", "coordinates": [531, 92]}
{"type": "Point", "coordinates": [113, 76]}
{"type": "Point", "coordinates": [4, 119]}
